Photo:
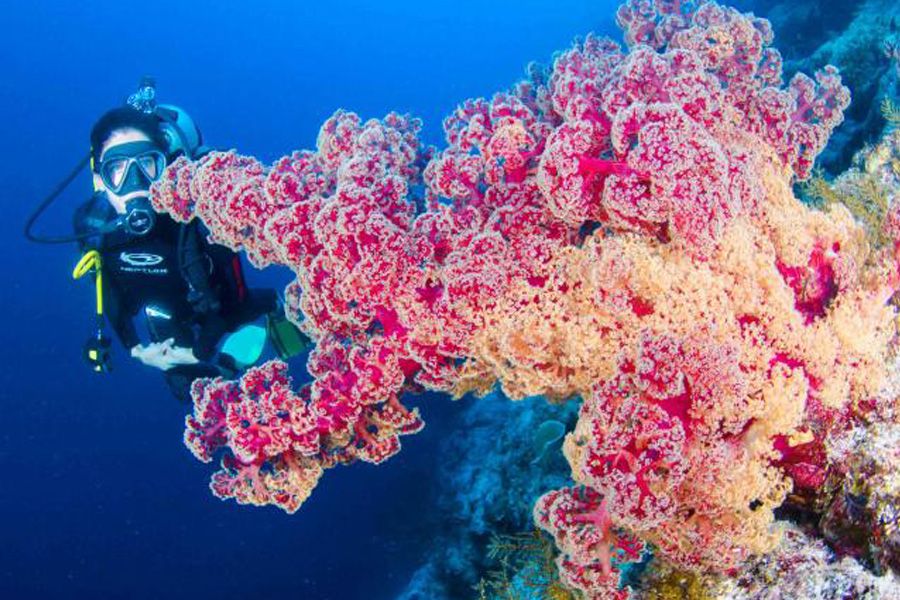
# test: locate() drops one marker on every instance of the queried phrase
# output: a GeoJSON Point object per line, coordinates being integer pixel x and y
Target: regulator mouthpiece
{"type": "Point", "coordinates": [139, 217]}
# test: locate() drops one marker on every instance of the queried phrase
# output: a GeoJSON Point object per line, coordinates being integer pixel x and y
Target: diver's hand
{"type": "Point", "coordinates": [164, 355]}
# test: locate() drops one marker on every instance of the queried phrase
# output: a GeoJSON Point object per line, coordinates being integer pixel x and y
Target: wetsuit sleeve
{"type": "Point", "coordinates": [120, 322]}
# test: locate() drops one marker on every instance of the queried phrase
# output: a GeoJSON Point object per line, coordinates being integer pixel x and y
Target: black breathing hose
{"type": "Point", "coordinates": [48, 200]}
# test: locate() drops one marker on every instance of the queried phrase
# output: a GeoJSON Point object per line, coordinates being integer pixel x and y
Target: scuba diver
{"type": "Point", "coordinates": [190, 295]}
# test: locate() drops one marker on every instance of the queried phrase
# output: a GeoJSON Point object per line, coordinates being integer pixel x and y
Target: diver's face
{"type": "Point", "coordinates": [122, 141]}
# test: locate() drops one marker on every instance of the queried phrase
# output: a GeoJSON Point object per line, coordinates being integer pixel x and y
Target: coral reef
{"type": "Point", "coordinates": [620, 228]}
{"type": "Point", "coordinates": [493, 471]}
{"type": "Point", "coordinates": [800, 566]}
{"type": "Point", "coordinates": [526, 570]}
{"type": "Point", "coordinates": [871, 186]}
{"type": "Point", "coordinates": [862, 516]}
{"type": "Point", "coordinates": [860, 38]}
{"type": "Point", "coordinates": [803, 567]}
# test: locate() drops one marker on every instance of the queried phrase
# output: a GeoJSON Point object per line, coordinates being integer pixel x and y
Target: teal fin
{"type": "Point", "coordinates": [245, 345]}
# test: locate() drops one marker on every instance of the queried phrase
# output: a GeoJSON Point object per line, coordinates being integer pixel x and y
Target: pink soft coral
{"type": "Point", "coordinates": [621, 229]}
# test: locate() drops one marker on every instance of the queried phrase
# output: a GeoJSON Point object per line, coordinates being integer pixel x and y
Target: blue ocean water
{"type": "Point", "coordinates": [99, 497]}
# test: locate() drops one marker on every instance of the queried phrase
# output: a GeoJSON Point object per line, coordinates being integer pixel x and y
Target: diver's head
{"type": "Point", "coordinates": [128, 151]}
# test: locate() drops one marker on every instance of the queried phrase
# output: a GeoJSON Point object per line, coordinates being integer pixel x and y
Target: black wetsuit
{"type": "Point", "coordinates": [181, 286]}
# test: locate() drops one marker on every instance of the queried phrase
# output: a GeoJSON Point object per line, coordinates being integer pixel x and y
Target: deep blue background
{"type": "Point", "coordinates": [98, 495]}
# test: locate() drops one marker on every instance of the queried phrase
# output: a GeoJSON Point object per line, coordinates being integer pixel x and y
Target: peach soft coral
{"type": "Point", "coordinates": [622, 229]}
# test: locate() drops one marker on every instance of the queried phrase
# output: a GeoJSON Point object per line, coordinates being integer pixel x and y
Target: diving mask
{"type": "Point", "coordinates": [131, 167]}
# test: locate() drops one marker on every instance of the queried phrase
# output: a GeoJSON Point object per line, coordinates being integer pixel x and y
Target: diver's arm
{"type": "Point", "coordinates": [160, 355]}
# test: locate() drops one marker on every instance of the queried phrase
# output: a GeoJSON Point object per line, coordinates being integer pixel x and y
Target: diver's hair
{"type": "Point", "coordinates": [124, 117]}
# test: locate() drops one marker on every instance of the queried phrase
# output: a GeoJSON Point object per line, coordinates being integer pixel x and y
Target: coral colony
{"type": "Point", "coordinates": [621, 229]}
